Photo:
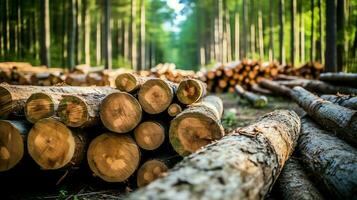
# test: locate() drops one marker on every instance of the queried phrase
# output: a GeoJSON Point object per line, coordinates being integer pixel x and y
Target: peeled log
{"type": "Point", "coordinates": [129, 82]}
{"type": "Point", "coordinates": [332, 116]}
{"type": "Point", "coordinates": [150, 135]}
{"type": "Point", "coordinates": [120, 112]}
{"type": "Point", "coordinates": [54, 146]}
{"type": "Point", "coordinates": [190, 91]}
{"type": "Point", "coordinates": [112, 157]}
{"type": "Point", "coordinates": [242, 165]}
{"type": "Point", "coordinates": [174, 109]}
{"type": "Point", "coordinates": [256, 100]}
{"type": "Point", "coordinates": [156, 95]}
{"type": "Point", "coordinates": [331, 160]}
{"type": "Point", "coordinates": [197, 126]}
{"type": "Point", "coordinates": [342, 100]}
{"type": "Point", "coordinates": [294, 184]}
{"type": "Point", "coordinates": [12, 142]}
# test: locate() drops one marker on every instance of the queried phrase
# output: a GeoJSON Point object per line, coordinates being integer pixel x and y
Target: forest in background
{"type": "Point", "coordinates": [134, 33]}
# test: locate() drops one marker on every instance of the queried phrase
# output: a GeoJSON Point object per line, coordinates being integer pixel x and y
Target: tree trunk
{"type": "Point", "coordinates": [281, 32]}
{"type": "Point", "coordinates": [133, 35]}
{"type": "Point", "coordinates": [120, 112]}
{"type": "Point", "coordinates": [342, 100]}
{"type": "Point", "coordinates": [340, 22]}
{"type": "Point", "coordinates": [121, 158]}
{"type": "Point", "coordinates": [142, 35]}
{"type": "Point", "coordinates": [54, 146]}
{"type": "Point", "coordinates": [174, 109]}
{"type": "Point", "coordinates": [45, 33]}
{"type": "Point", "coordinates": [13, 136]}
{"type": "Point", "coordinates": [242, 165]}
{"type": "Point", "coordinates": [293, 32]}
{"type": "Point", "coordinates": [150, 135]}
{"type": "Point", "coordinates": [236, 37]}
{"type": "Point", "coordinates": [72, 35]}
{"type": "Point", "coordinates": [256, 100]}
{"type": "Point", "coordinates": [331, 36]}
{"type": "Point", "coordinates": [197, 126]}
{"type": "Point", "coordinates": [331, 161]}
{"type": "Point", "coordinates": [87, 31]}
{"type": "Point", "coordinates": [332, 116]}
{"type": "Point", "coordinates": [294, 183]}
{"type": "Point", "coordinates": [107, 36]}
{"type": "Point", "coordinates": [129, 82]}
{"type": "Point", "coordinates": [271, 39]}
{"type": "Point", "coordinates": [302, 33]}
{"type": "Point", "coordinates": [245, 30]}
{"type": "Point", "coordinates": [252, 28]}
{"type": "Point", "coordinates": [98, 44]}
{"type": "Point", "coordinates": [320, 49]}
{"type": "Point", "coordinates": [312, 44]}
{"type": "Point", "coordinates": [190, 91]}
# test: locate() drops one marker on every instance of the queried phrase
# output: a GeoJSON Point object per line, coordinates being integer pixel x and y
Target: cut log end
{"type": "Point", "coordinates": [120, 112]}
{"type": "Point", "coordinates": [149, 135]}
{"type": "Point", "coordinates": [150, 171]}
{"type": "Point", "coordinates": [190, 91]}
{"type": "Point", "coordinates": [39, 106]}
{"type": "Point", "coordinates": [5, 102]}
{"type": "Point", "coordinates": [73, 111]}
{"type": "Point", "coordinates": [174, 109]}
{"type": "Point", "coordinates": [126, 82]}
{"type": "Point", "coordinates": [51, 144]}
{"type": "Point", "coordinates": [114, 158]}
{"type": "Point", "coordinates": [192, 131]}
{"type": "Point", "coordinates": [11, 146]}
{"type": "Point", "coordinates": [155, 96]}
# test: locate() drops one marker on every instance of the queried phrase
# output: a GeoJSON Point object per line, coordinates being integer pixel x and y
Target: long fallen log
{"type": "Point", "coordinates": [242, 165]}
{"type": "Point", "coordinates": [54, 146]}
{"type": "Point", "coordinates": [120, 112]}
{"type": "Point", "coordinates": [275, 87]}
{"type": "Point", "coordinates": [334, 117]}
{"type": "Point", "coordinates": [342, 100]}
{"type": "Point", "coordinates": [197, 126]}
{"type": "Point", "coordinates": [331, 160]}
{"type": "Point", "coordinates": [190, 91]}
{"type": "Point", "coordinates": [257, 101]}
{"type": "Point", "coordinates": [113, 157]}
{"type": "Point", "coordinates": [293, 183]}
{"type": "Point", "coordinates": [13, 136]}
{"type": "Point", "coordinates": [340, 78]}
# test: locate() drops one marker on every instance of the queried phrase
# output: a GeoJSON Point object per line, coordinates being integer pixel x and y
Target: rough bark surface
{"type": "Point", "coordinates": [242, 165]}
{"type": "Point", "coordinates": [294, 184]}
{"type": "Point", "coordinates": [332, 160]}
{"type": "Point", "coordinates": [275, 87]}
{"type": "Point", "coordinates": [334, 117]}
{"type": "Point", "coordinates": [342, 100]}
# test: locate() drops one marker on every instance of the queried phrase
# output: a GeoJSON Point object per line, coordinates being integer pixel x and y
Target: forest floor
{"type": "Point", "coordinates": [238, 113]}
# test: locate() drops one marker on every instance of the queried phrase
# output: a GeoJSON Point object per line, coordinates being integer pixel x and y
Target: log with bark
{"type": "Point", "coordinates": [156, 95]}
{"type": "Point", "coordinates": [113, 157]}
{"type": "Point", "coordinates": [340, 78]}
{"type": "Point", "coordinates": [293, 183]}
{"type": "Point", "coordinates": [174, 109]}
{"type": "Point", "coordinates": [13, 136]}
{"type": "Point", "coordinates": [275, 87]}
{"type": "Point", "coordinates": [332, 161]}
{"type": "Point", "coordinates": [332, 116]}
{"type": "Point", "coordinates": [120, 112]}
{"type": "Point", "coordinates": [197, 126]}
{"type": "Point", "coordinates": [129, 82]}
{"type": "Point", "coordinates": [258, 89]}
{"type": "Point", "coordinates": [242, 165]}
{"type": "Point", "coordinates": [54, 146]}
{"type": "Point", "coordinates": [257, 101]}
{"type": "Point", "coordinates": [347, 101]}
{"type": "Point", "coordinates": [150, 135]}
{"type": "Point", "coordinates": [190, 91]}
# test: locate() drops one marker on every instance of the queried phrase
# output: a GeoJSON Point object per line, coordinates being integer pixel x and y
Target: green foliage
{"type": "Point", "coordinates": [229, 120]}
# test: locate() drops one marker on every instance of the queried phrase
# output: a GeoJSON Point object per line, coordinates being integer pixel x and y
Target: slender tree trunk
{"type": "Point", "coordinates": [320, 49]}
{"type": "Point", "coordinates": [312, 51]}
{"type": "Point", "coordinates": [87, 31]}
{"type": "Point", "coordinates": [236, 37]}
{"type": "Point", "coordinates": [45, 33]}
{"type": "Point", "coordinates": [107, 36]}
{"type": "Point", "coordinates": [271, 33]}
{"type": "Point", "coordinates": [331, 36]}
{"type": "Point", "coordinates": [126, 41]}
{"type": "Point", "coordinates": [72, 35]}
{"type": "Point", "coordinates": [4, 27]}
{"type": "Point", "coordinates": [292, 31]}
{"type": "Point", "coordinates": [302, 33]}
{"type": "Point", "coordinates": [7, 26]}
{"type": "Point", "coordinates": [244, 31]}
{"type": "Point", "coordinates": [142, 34]}
{"type": "Point", "coordinates": [98, 43]}
{"type": "Point", "coordinates": [340, 34]}
{"type": "Point", "coordinates": [228, 34]}
{"type": "Point", "coordinates": [64, 33]}
{"type": "Point", "coordinates": [252, 28]}
{"type": "Point", "coordinates": [133, 35]}
{"type": "Point", "coordinates": [120, 39]}
{"type": "Point", "coordinates": [19, 28]}
{"type": "Point", "coordinates": [281, 32]}
{"type": "Point", "coordinates": [79, 37]}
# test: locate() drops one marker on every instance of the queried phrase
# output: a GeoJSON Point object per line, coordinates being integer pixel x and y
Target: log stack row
{"type": "Point", "coordinates": [141, 128]}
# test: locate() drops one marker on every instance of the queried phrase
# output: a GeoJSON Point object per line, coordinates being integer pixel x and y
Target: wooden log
{"type": "Point", "coordinates": [120, 112]}
{"type": "Point", "coordinates": [257, 101]}
{"type": "Point", "coordinates": [332, 116]}
{"type": "Point", "coordinates": [12, 142]}
{"type": "Point", "coordinates": [197, 126]}
{"type": "Point", "coordinates": [174, 109]}
{"type": "Point", "coordinates": [156, 95]}
{"type": "Point", "coordinates": [275, 87]}
{"type": "Point", "coordinates": [341, 77]}
{"type": "Point", "coordinates": [154, 168]}
{"type": "Point", "coordinates": [293, 183]}
{"type": "Point", "coordinates": [332, 162]}
{"type": "Point", "coordinates": [342, 100]}
{"type": "Point", "coordinates": [76, 80]}
{"type": "Point", "coordinates": [54, 146]}
{"type": "Point", "coordinates": [190, 91]}
{"type": "Point", "coordinates": [129, 82]}
{"type": "Point", "coordinates": [258, 89]}
{"type": "Point", "coordinates": [113, 157]}
{"type": "Point", "coordinates": [242, 165]}
{"type": "Point", "coordinates": [44, 104]}
{"type": "Point", "coordinates": [150, 135]}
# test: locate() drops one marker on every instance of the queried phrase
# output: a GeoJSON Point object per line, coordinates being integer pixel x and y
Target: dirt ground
{"type": "Point", "coordinates": [82, 185]}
